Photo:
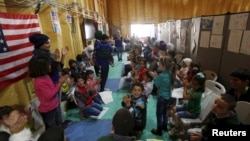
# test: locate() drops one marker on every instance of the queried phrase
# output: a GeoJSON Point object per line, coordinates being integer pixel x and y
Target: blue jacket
{"type": "Point", "coordinates": [103, 52]}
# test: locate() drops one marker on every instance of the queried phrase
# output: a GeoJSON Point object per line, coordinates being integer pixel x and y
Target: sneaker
{"type": "Point", "coordinates": [156, 132]}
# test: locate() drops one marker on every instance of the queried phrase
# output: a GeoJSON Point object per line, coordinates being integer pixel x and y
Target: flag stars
{"type": "Point", "coordinates": [1, 41]}
{"type": "Point", "coordinates": [5, 49]}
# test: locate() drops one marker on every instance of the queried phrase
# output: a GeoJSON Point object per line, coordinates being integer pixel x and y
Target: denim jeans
{"type": "Point", "coordinates": [49, 118]}
{"type": "Point", "coordinates": [182, 112]}
{"type": "Point", "coordinates": [93, 110]}
{"type": "Point", "coordinates": [161, 112]}
{"type": "Point", "coordinates": [97, 99]}
{"type": "Point", "coordinates": [119, 51]}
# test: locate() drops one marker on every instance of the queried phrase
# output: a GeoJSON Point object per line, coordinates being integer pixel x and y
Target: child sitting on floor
{"type": "Point", "coordinates": [84, 99]}
{"type": "Point", "coordinates": [93, 85]}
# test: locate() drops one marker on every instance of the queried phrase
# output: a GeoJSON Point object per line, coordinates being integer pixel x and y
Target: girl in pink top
{"type": "Point", "coordinates": [45, 89]}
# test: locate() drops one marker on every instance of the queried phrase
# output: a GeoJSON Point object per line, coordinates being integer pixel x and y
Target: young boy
{"type": "Point", "coordinates": [122, 127]}
{"type": "Point", "coordinates": [84, 99]}
{"type": "Point", "coordinates": [239, 80]}
{"type": "Point", "coordinates": [136, 104]}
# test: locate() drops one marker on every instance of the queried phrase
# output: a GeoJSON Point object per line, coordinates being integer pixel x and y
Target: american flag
{"type": "Point", "coordinates": [15, 48]}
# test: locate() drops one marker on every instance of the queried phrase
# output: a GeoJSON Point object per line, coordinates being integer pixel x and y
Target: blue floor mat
{"type": "Point", "coordinates": [113, 84]}
{"type": "Point", "coordinates": [88, 130]}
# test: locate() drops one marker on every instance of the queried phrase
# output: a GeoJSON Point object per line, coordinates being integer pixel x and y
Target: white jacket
{"type": "Point", "coordinates": [23, 135]}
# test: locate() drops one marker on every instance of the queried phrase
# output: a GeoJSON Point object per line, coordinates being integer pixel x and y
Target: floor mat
{"type": "Point", "coordinates": [113, 84]}
{"type": "Point", "coordinates": [88, 130]}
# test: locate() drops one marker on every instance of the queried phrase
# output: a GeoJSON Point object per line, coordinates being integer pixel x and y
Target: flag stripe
{"type": "Point", "coordinates": [13, 75]}
{"type": "Point", "coordinates": [20, 26]}
{"type": "Point", "coordinates": [13, 69]}
{"type": "Point", "coordinates": [16, 29]}
{"type": "Point", "coordinates": [14, 53]}
{"type": "Point", "coordinates": [13, 61]}
{"type": "Point", "coordinates": [9, 81]}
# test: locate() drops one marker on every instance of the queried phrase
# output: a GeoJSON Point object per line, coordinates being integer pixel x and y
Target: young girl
{"type": "Point", "coordinates": [46, 90]}
{"type": "Point", "coordinates": [84, 99]}
{"type": "Point", "coordinates": [93, 85]}
{"type": "Point", "coordinates": [163, 83]}
{"type": "Point", "coordinates": [193, 107]}
{"type": "Point", "coordinates": [136, 104]}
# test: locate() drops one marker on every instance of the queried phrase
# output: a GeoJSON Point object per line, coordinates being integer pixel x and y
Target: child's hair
{"type": "Point", "coordinates": [241, 73]}
{"type": "Point", "coordinates": [52, 134]}
{"type": "Point", "coordinates": [65, 71]}
{"type": "Point", "coordinates": [71, 61]}
{"type": "Point", "coordinates": [230, 100]}
{"type": "Point", "coordinates": [201, 79]}
{"type": "Point", "coordinates": [139, 84]}
{"type": "Point", "coordinates": [195, 67]}
{"type": "Point", "coordinates": [88, 72]}
{"type": "Point", "coordinates": [78, 77]}
{"type": "Point", "coordinates": [105, 37]}
{"type": "Point", "coordinates": [123, 122]}
{"type": "Point", "coordinates": [4, 136]}
{"type": "Point", "coordinates": [39, 66]}
{"type": "Point", "coordinates": [172, 53]}
{"type": "Point", "coordinates": [142, 59]}
{"type": "Point", "coordinates": [169, 65]}
{"type": "Point", "coordinates": [148, 75]}
{"type": "Point", "coordinates": [5, 111]}
{"type": "Point", "coordinates": [79, 57]}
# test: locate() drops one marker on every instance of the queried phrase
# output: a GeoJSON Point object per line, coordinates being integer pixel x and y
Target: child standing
{"type": "Point", "coordinates": [193, 107]}
{"type": "Point", "coordinates": [93, 85]}
{"type": "Point", "coordinates": [84, 99]}
{"type": "Point", "coordinates": [163, 83]}
{"type": "Point", "coordinates": [136, 104]}
{"type": "Point", "coordinates": [46, 90]}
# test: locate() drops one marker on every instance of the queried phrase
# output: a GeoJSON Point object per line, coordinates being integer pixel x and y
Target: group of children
{"type": "Point", "coordinates": [163, 79]}
{"type": "Point", "coordinates": [142, 79]}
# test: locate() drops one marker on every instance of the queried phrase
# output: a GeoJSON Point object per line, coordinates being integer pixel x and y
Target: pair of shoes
{"type": "Point", "coordinates": [174, 131]}
{"type": "Point", "coordinates": [156, 132]}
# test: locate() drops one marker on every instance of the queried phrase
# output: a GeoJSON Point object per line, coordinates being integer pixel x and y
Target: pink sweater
{"type": "Point", "coordinates": [47, 93]}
